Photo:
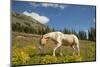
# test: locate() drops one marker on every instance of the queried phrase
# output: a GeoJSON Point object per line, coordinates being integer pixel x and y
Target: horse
{"type": "Point", "coordinates": [69, 39]}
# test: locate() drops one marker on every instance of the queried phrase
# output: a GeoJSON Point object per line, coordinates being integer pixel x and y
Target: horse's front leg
{"type": "Point", "coordinates": [54, 50]}
{"type": "Point", "coordinates": [61, 54]}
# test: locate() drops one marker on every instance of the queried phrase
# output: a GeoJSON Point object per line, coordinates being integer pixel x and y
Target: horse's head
{"type": "Point", "coordinates": [44, 39]}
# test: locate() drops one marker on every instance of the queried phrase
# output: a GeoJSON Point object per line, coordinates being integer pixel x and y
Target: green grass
{"type": "Point", "coordinates": [25, 51]}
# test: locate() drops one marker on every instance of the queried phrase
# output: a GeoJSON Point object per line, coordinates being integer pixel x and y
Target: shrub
{"type": "Point", "coordinates": [73, 58]}
{"type": "Point", "coordinates": [48, 59]}
{"type": "Point", "coordinates": [51, 59]}
{"type": "Point", "coordinates": [19, 56]}
{"type": "Point", "coordinates": [31, 50]}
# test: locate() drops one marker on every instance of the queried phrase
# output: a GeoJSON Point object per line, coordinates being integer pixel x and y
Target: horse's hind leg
{"type": "Point", "coordinates": [76, 49]}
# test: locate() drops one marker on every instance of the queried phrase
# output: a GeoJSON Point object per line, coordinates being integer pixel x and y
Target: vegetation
{"type": "Point", "coordinates": [82, 35]}
{"type": "Point", "coordinates": [25, 51]}
{"type": "Point", "coordinates": [92, 34]}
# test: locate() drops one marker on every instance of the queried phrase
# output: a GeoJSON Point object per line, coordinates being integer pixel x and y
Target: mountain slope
{"type": "Point", "coordinates": [21, 21]}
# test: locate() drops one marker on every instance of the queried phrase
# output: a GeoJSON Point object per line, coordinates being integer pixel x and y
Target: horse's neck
{"type": "Point", "coordinates": [50, 36]}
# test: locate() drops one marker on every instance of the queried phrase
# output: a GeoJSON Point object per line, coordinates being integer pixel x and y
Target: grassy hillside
{"type": "Point", "coordinates": [25, 51]}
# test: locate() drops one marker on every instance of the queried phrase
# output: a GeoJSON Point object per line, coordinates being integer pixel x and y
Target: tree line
{"type": "Point", "coordinates": [83, 35]}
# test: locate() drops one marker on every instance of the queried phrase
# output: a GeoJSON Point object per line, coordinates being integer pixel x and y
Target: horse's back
{"type": "Point", "coordinates": [55, 34]}
{"type": "Point", "coordinates": [67, 39]}
{"type": "Point", "coordinates": [70, 39]}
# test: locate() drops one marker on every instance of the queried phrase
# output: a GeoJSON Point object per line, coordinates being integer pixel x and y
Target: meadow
{"type": "Point", "coordinates": [25, 51]}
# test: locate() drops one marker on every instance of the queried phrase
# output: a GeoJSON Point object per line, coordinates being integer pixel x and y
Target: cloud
{"type": "Point", "coordinates": [53, 5]}
{"type": "Point", "coordinates": [41, 19]}
{"type": "Point", "coordinates": [34, 4]}
{"type": "Point", "coordinates": [49, 5]}
{"type": "Point", "coordinates": [94, 20]}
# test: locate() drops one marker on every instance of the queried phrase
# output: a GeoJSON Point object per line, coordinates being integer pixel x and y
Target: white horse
{"type": "Point", "coordinates": [59, 38]}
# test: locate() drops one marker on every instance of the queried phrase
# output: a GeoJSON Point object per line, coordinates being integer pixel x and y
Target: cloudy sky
{"type": "Point", "coordinates": [59, 16]}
